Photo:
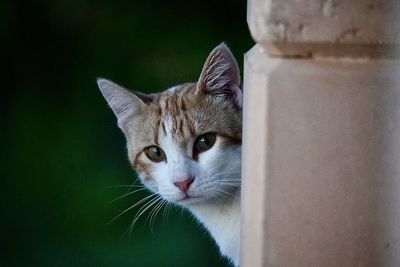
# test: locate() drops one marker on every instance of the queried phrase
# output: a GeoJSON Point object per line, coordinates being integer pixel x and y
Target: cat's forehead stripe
{"type": "Point", "coordinates": [189, 124]}
{"type": "Point", "coordinates": [173, 115]}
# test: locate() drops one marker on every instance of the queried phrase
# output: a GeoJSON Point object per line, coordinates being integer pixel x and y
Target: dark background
{"type": "Point", "coordinates": [61, 147]}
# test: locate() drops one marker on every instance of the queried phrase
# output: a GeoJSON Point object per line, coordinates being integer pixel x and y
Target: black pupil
{"type": "Point", "coordinates": [156, 151]}
{"type": "Point", "coordinates": [205, 140]}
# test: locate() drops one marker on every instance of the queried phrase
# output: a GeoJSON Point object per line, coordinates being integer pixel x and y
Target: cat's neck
{"type": "Point", "coordinates": [223, 222]}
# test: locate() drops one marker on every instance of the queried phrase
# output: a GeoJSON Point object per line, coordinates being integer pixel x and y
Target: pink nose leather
{"type": "Point", "coordinates": [184, 185]}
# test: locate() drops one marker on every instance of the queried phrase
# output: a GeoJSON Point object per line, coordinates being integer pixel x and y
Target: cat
{"type": "Point", "coordinates": [185, 144]}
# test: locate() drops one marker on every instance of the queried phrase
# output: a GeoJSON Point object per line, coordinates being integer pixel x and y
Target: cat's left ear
{"type": "Point", "coordinates": [124, 104]}
{"type": "Point", "coordinates": [221, 76]}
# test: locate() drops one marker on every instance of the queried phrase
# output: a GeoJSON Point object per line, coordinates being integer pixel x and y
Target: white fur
{"type": "Point", "coordinates": [223, 223]}
{"type": "Point", "coordinates": [220, 214]}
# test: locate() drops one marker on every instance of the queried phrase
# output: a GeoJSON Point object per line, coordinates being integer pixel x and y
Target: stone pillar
{"type": "Point", "coordinates": [321, 149]}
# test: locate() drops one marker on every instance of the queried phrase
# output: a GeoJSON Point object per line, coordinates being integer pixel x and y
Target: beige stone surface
{"type": "Point", "coordinates": [316, 27]}
{"type": "Point", "coordinates": [321, 162]}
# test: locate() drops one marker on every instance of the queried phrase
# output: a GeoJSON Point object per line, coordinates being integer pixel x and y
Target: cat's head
{"type": "Point", "coordinates": [185, 143]}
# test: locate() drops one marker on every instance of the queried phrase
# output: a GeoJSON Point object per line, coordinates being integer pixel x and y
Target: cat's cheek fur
{"type": "Point", "coordinates": [220, 170]}
{"type": "Point", "coordinates": [151, 184]}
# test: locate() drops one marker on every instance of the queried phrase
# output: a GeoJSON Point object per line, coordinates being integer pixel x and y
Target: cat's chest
{"type": "Point", "coordinates": [223, 223]}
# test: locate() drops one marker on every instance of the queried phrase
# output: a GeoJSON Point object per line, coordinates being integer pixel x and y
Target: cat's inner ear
{"type": "Point", "coordinates": [220, 75]}
{"type": "Point", "coordinates": [124, 104]}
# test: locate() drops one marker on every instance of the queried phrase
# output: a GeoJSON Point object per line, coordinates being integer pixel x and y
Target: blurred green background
{"type": "Point", "coordinates": [62, 151]}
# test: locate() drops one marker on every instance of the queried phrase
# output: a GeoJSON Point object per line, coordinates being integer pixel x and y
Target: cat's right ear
{"type": "Point", "coordinates": [123, 103]}
{"type": "Point", "coordinates": [221, 76]}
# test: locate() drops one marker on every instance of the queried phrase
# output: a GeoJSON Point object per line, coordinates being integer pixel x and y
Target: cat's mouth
{"type": "Point", "coordinates": [189, 199]}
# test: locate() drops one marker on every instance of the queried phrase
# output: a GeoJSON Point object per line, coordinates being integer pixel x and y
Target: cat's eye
{"type": "Point", "coordinates": [205, 142]}
{"type": "Point", "coordinates": [155, 153]}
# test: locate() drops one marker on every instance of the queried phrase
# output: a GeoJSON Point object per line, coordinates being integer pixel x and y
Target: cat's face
{"type": "Point", "coordinates": [185, 143]}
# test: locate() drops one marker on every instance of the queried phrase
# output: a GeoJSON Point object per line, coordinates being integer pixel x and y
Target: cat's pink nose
{"type": "Point", "coordinates": [184, 185]}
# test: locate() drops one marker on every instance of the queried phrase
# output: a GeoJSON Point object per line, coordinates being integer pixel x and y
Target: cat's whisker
{"type": "Point", "coordinates": [219, 197]}
{"type": "Point", "coordinates": [228, 193]}
{"type": "Point", "coordinates": [134, 185]}
{"type": "Point", "coordinates": [142, 210]}
{"type": "Point", "coordinates": [225, 194]}
{"type": "Point", "coordinates": [223, 173]}
{"type": "Point", "coordinates": [153, 213]}
{"type": "Point", "coordinates": [126, 185]}
{"type": "Point", "coordinates": [169, 208]}
{"type": "Point", "coordinates": [233, 182]}
{"type": "Point", "coordinates": [230, 180]}
{"type": "Point", "coordinates": [162, 206]}
{"type": "Point", "coordinates": [131, 207]}
{"type": "Point", "coordinates": [125, 195]}
{"type": "Point", "coordinates": [146, 206]}
{"type": "Point", "coordinates": [230, 177]}
{"type": "Point", "coordinates": [228, 174]}
{"type": "Point", "coordinates": [232, 171]}
{"type": "Point", "coordinates": [166, 211]}
{"type": "Point", "coordinates": [230, 184]}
